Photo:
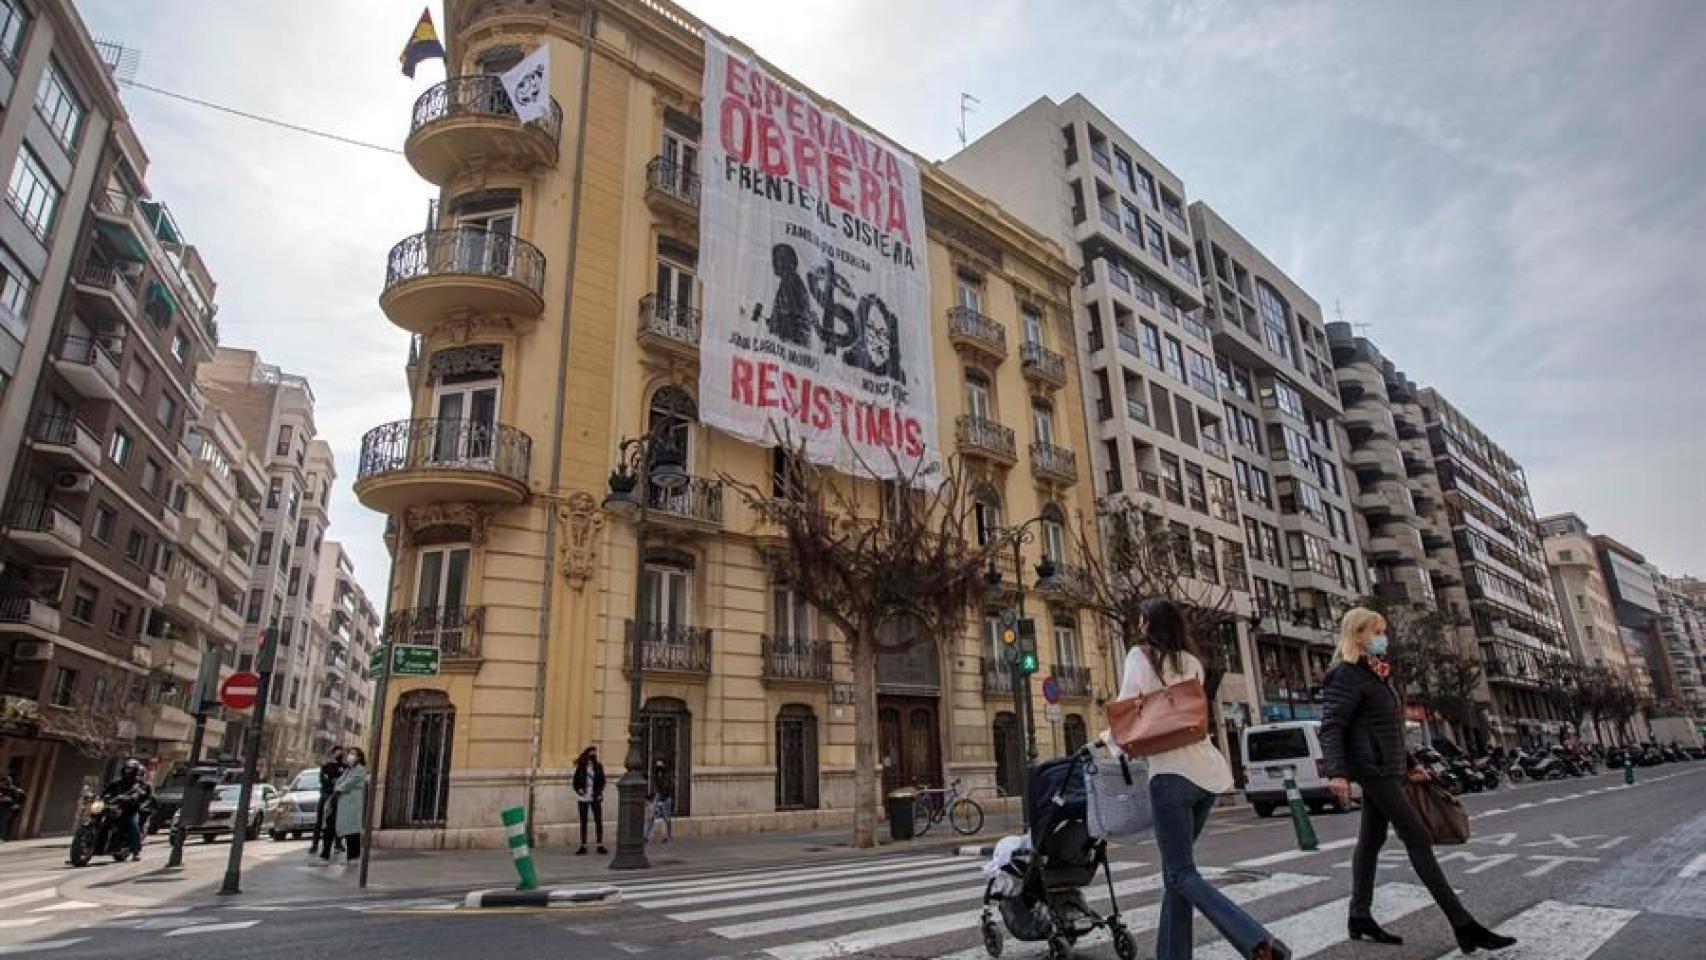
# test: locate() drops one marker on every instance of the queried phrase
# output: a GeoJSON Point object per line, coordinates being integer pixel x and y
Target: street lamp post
{"type": "Point", "coordinates": [643, 463]}
{"type": "Point", "coordinates": [1022, 709]}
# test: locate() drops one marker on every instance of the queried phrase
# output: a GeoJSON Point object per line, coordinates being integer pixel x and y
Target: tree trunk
{"type": "Point", "coordinates": [865, 780]}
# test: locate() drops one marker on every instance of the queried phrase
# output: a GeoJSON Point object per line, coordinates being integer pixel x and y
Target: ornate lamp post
{"type": "Point", "coordinates": [1047, 578]}
{"type": "Point", "coordinates": [643, 464]}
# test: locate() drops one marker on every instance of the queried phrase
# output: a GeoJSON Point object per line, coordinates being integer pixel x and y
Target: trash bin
{"type": "Point", "coordinates": [899, 805]}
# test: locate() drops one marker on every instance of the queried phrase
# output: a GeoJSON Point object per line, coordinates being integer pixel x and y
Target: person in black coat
{"type": "Point", "coordinates": [330, 771]}
{"type": "Point", "coordinates": [589, 795]}
{"type": "Point", "coordinates": [1362, 739]}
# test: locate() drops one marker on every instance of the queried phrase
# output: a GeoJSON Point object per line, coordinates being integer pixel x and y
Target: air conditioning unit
{"type": "Point", "coordinates": [73, 481]}
{"type": "Point", "coordinates": [32, 651]}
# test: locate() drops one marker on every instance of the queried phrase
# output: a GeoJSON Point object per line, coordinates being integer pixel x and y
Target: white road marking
{"type": "Point", "coordinates": [67, 905]}
{"type": "Point", "coordinates": [16, 948]}
{"type": "Point", "coordinates": [1550, 930]}
{"type": "Point", "coordinates": [12, 883]}
{"type": "Point", "coordinates": [1694, 868]}
{"type": "Point", "coordinates": [212, 928]}
{"type": "Point", "coordinates": [1319, 928]}
{"type": "Point", "coordinates": [23, 898]}
{"type": "Point", "coordinates": [153, 912]}
{"type": "Point", "coordinates": [1143, 919]}
{"type": "Point", "coordinates": [1286, 855]}
{"type": "Point", "coordinates": [735, 891]}
{"type": "Point", "coordinates": [779, 878]}
{"type": "Point", "coordinates": [21, 922]}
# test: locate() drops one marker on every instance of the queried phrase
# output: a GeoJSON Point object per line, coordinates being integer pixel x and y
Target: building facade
{"type": "Point", "coordinates": [273, 411]}
{"type": "Point", "coordinates": [1635, 599]}
{"type": "Point", "coordinates": [1682, 630]}
{"type": "Point", "coordinates": [1158, 433]}
{"type": "Point", "coordinates": [529, 368]}
{"type": "Point", "coordinates": [1584, 600]}
{"type": "Point", "coordinates": [100, 642]}
{"type": "Point", "coordinates": [1283, 422]}
{"type": "Point", "coordinates": [349, 630]}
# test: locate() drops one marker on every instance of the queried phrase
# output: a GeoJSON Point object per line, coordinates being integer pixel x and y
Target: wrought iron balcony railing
{"type": "Point", "coordinates": [431, 444]}
{"type": "Point", "coordinates": [466, 251]}
{"type": "Point", "coordinates": [455, 631]}
{"type": "Point", "coordinates": [476, 96]}
{"type": "Point", "coordinates": [795, 658]}
{"type": "Point", "coordinates": [674, 648]}
{"type": "Point", "coordinates": [673, 178]}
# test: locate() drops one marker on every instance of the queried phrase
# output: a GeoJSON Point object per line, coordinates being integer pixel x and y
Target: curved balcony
{"type": "Point", "coordinates": [432, 274]}
{"type": "Point", "coordinates": [469, 122]}
{"type": "Point", "coordinates": [411, 462]}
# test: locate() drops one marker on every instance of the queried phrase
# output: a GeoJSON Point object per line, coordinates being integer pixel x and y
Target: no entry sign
{"type": "Point", "coordinates": [240, 690]}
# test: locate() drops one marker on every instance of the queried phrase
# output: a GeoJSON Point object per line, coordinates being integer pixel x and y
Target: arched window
{"type": "Point", "coordinates": [417, 781]}
{"type": "Point", "coordinates": [1072, 730]}
{"type": "Point", "coordinates": [674, 408]}
{"type": "Point", "coordinates": [980, 396]}
{"type": "Point", "coordinates": [796, 758]}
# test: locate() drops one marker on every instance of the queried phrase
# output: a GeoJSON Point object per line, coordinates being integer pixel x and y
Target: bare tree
{"type": "Point", "coordinates": [1144, 559]}
{"type": "Point", "coordinates": [888, 563]}
{"type": "Point", "coordinates": [1428, 669]}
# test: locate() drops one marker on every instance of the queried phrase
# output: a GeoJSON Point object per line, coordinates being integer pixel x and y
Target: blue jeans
{"type": "Point", "coordinates": [1181, 811]}
{"type": "Point", "coordinates": [661, 808]}
{"type": "Point", "coordinates": [132, 823]}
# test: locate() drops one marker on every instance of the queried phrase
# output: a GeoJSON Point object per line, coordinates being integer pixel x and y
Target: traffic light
{"type": "Point", "coordinates": [1027, 648]}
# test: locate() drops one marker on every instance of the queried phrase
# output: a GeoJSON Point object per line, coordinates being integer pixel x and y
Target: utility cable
{"type": "Point", "coordinates": [260, 119]}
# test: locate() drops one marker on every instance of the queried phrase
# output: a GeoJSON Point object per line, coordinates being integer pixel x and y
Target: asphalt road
{"type": "Point", "coordinates": [1580, 870]}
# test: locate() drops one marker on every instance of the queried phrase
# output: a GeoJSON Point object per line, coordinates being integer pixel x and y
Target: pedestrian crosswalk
{"type": "Point", "coordinates": [930, 906]}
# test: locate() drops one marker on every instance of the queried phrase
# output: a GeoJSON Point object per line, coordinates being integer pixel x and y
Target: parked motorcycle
{"type": "Point", "coordinates": [101, 833]}
{"type": "Point", "coordinates": [1440, 769]}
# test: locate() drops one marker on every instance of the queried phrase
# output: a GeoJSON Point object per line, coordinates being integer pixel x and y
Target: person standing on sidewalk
{"type": "Point", "coordinates": [1362, 739]}
{"type": "Point", "coordinates": [661, 802]}
{"type": "Point", "coordinates": [1183, 783]}
{"type": "Point", "coordinates": [589, 794]}
{"type": "Point", "coordinates": [330, 771]}
{"type": "Point", "coordinates": [351, 803]}
{"type": "Point", "coordinates": [11, 804]}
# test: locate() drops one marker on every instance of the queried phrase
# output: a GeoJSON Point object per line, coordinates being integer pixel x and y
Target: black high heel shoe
{"type": "Point", "coordinates": [1366, 927]}
{"type": "Point", "coordinates": [1473, 936]}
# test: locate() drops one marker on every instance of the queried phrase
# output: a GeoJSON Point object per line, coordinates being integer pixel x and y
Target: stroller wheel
{"type": "Point", "coordinates": [993, 940]}
{"type": "Point", "coordinates": [1059, 948]}
{"type": "Point", "coordinates": [1125, 946]}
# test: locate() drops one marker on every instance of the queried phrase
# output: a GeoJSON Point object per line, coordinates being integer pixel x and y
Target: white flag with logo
{"type": "Point", "coordinates": [528, 84]}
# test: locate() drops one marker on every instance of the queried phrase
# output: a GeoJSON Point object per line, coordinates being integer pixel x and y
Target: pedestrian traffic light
{"type": "Point", "coordinates": [1027, 648]}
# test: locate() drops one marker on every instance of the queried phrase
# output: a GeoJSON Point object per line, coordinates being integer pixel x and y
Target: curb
{"type": "Point", "coordinates": [563, 897]}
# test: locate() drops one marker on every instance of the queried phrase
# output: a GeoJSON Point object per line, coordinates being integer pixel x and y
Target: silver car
{"type": "Point", "coordinates": [293, 815]}
{"type": "Point", "coordinates": [223, 810]}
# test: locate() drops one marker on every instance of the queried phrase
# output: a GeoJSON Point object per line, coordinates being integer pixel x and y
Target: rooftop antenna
{"type": "Point", "coordinates": [968, 104]}
{"type": "Point", "coordinates": [1361, 328]}
{"type": "Point", "coordinates": [123, 61]}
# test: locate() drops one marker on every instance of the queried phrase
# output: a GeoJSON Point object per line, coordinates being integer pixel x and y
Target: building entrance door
{"type": "Point", "coordinates": [909, 742]}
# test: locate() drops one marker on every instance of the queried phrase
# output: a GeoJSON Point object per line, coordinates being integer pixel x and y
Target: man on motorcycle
{"type": "Point", "coordinates": [131, 795]}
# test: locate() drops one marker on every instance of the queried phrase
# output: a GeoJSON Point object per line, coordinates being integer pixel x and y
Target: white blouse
{"type": "Point", "coordinates": [1199, 763]}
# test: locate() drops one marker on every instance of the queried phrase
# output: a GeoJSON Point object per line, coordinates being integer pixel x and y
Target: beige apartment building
{"type": "Point", "coordinates": [348, 631]}
{"type": "Point", "coordinates": [1584, 600]}
{"type": "Point", "coordinates": [1283, 423]}
{"type": "Point", "coordinates": [1158, 428]}
{"type": "Point", "coordinates": [555, 308]}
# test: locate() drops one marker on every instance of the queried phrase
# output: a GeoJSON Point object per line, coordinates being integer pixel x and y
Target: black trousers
{"type": "Point", "coordinates": [352, 846]}
{"type": "Point", "coordinates": [596, 809]}
{"type": "Point", "coordinates": [329, 831]}
{"type": "Point", "coordinates": [322, 821]}
{"type": "Point", "coordinates": [1385, 803]}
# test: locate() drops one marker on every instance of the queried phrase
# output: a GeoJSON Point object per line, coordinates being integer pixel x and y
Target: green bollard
{"type": "Point", "coordinates": [1299, 817]}
{"type": "Point", "coordinates": [1628, 772]}
{"type": "Point", "coordinates": [515, 827]}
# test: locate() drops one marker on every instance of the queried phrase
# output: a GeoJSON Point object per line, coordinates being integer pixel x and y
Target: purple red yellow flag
{"type": "Point", "coordinates": [423, 45]}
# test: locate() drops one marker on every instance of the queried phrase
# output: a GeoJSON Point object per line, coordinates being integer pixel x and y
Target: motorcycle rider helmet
{"type": "Point", "coordinates": [132, 769]}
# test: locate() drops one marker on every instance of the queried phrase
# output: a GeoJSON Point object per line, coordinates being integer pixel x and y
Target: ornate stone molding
{"type": "Point", "coordinates": [463, 325]}
{"type": "Point", "coordinates": [472, 517]}
{"type": "Point", "coordinates": [485, 359]}
{"type": "Point", "coordinates": [582, 518]}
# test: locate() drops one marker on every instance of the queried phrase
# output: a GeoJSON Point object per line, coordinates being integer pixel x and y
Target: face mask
{"type": "Point", "coordinates": [1377, 645]}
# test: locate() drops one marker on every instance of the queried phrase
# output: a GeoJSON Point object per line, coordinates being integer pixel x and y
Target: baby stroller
{"type": "Point", "coordinates": [1044, 899]}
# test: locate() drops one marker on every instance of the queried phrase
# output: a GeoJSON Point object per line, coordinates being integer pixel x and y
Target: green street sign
{"type": "Point", "coordinates": [413, 661]}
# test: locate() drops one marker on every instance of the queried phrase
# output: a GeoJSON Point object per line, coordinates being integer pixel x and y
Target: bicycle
{"type": "Point", "coordinates": [935, 803]}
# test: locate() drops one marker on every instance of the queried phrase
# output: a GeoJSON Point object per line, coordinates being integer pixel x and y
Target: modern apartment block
{"type": "Point", "coordinates": [1290, 461]}
{"type": "Point", "coordinates": [101, 632]}
{"type": "Point", "coordinates": [274, 413]}
{"type": "Point", "coordinates": [1635, 598]}
{"type": "Point", "coordinates": [1484, 499]}
{"type": "Point", "coordinates": [349, 628]}
{"type": "Point", "coordinates": [58, 107]}
{"type": "Point", "coordinates": [1158, 431]}
{"type": "Point", "coordinates": [1682, 630]}
{"type": "Point", "coordinates": [505, 559]}
{"type": "Point", "coordinates": [1584, 599]}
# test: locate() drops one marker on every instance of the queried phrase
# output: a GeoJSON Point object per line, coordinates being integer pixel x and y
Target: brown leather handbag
{"type": "Point", "coordinates": [1441, 814]}
{"type": "Point", "coordinates": [1174, 716]}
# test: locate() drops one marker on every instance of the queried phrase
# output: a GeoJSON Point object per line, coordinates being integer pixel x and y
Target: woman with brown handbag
{"type": "Point", "coordinates": [1161, 681]}
{"type": "Point", "coordinates": [1362, 739]}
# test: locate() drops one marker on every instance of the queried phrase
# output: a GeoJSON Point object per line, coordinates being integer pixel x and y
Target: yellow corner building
{"type": "Point", "coordinates": [554, 307]}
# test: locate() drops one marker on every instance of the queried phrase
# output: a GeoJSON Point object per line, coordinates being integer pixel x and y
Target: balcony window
{"type": "Point", "coordinates": [1176, 359]}
{"type": "Point", "coordinates": [285, 434]}
{"type": "Point", "coordinates": [986, 515]}
{"type": "Point", "coordinates": [101, 523]}
{"type": "Point", "coordinates": [33, 194]}
{"type": "Point", "coordinates": [680, 156]}
{"type": "Point", "coordinates": [15, 289]}
{"type": "Point", "coordinates": [790, 615]}
{"type": "Point", "coordinates": [1276, 328]}
{"type": "Point", "coordinates": [979, 403]}
{"type": "Point", "coordinates": [487, 242]}
{"type": "Point", "coordinates": [13, 23]}
{"type": "Point", "coordinates": [180, 347]}
{"type": "Point", "coordinates": [666, 593]}
{"type": "Point", "coordinates": [59, 106]}
{"type": "Point", "coordinates": [1067, 655]}
{"type": "Point", "coordinates": [1155, 239]}
{"type": "Point", "coordinates": [441, 580]}
{"type": "Point", "coordinates": [1033, 325]}
{"type": "Point", "coordinates": [675, 281]}
{"type": "Point", "coordinates": [1042, 422]}
{"type": "Point", "coordinates": [969, 292]}
{"type": "Point", "coordinates": [1150, 343]}
{"type": "Point", "coordinates": [1124, 169]}
{"type": "Point", "coordinates": [673, 413]}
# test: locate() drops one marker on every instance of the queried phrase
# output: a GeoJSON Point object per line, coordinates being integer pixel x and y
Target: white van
{"type": "Point", "coordinates": [1274, 751]}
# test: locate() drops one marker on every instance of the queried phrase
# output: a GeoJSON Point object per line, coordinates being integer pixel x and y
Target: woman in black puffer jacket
{"type": "Point", "coordinates": [1362, 738]}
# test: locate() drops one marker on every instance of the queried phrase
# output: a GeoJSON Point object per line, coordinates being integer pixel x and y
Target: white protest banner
{"type": "Point", "coordinates": [816, 286]}
{"type": "Point", "coordinates": [528, 84]}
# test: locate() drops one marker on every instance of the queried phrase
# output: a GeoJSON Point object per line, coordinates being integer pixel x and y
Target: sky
{"type": "Point", "coordinates": [1511, 196]}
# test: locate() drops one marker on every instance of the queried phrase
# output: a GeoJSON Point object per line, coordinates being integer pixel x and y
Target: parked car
{"type": "Point", "coordinates": [224, 808]}
{"type": "Point", "coordinates": [297, 807]}
{"type": "Point", "coordinates": [169, 791]}
{"type": "Point", "coordinates": [1274, 751]}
